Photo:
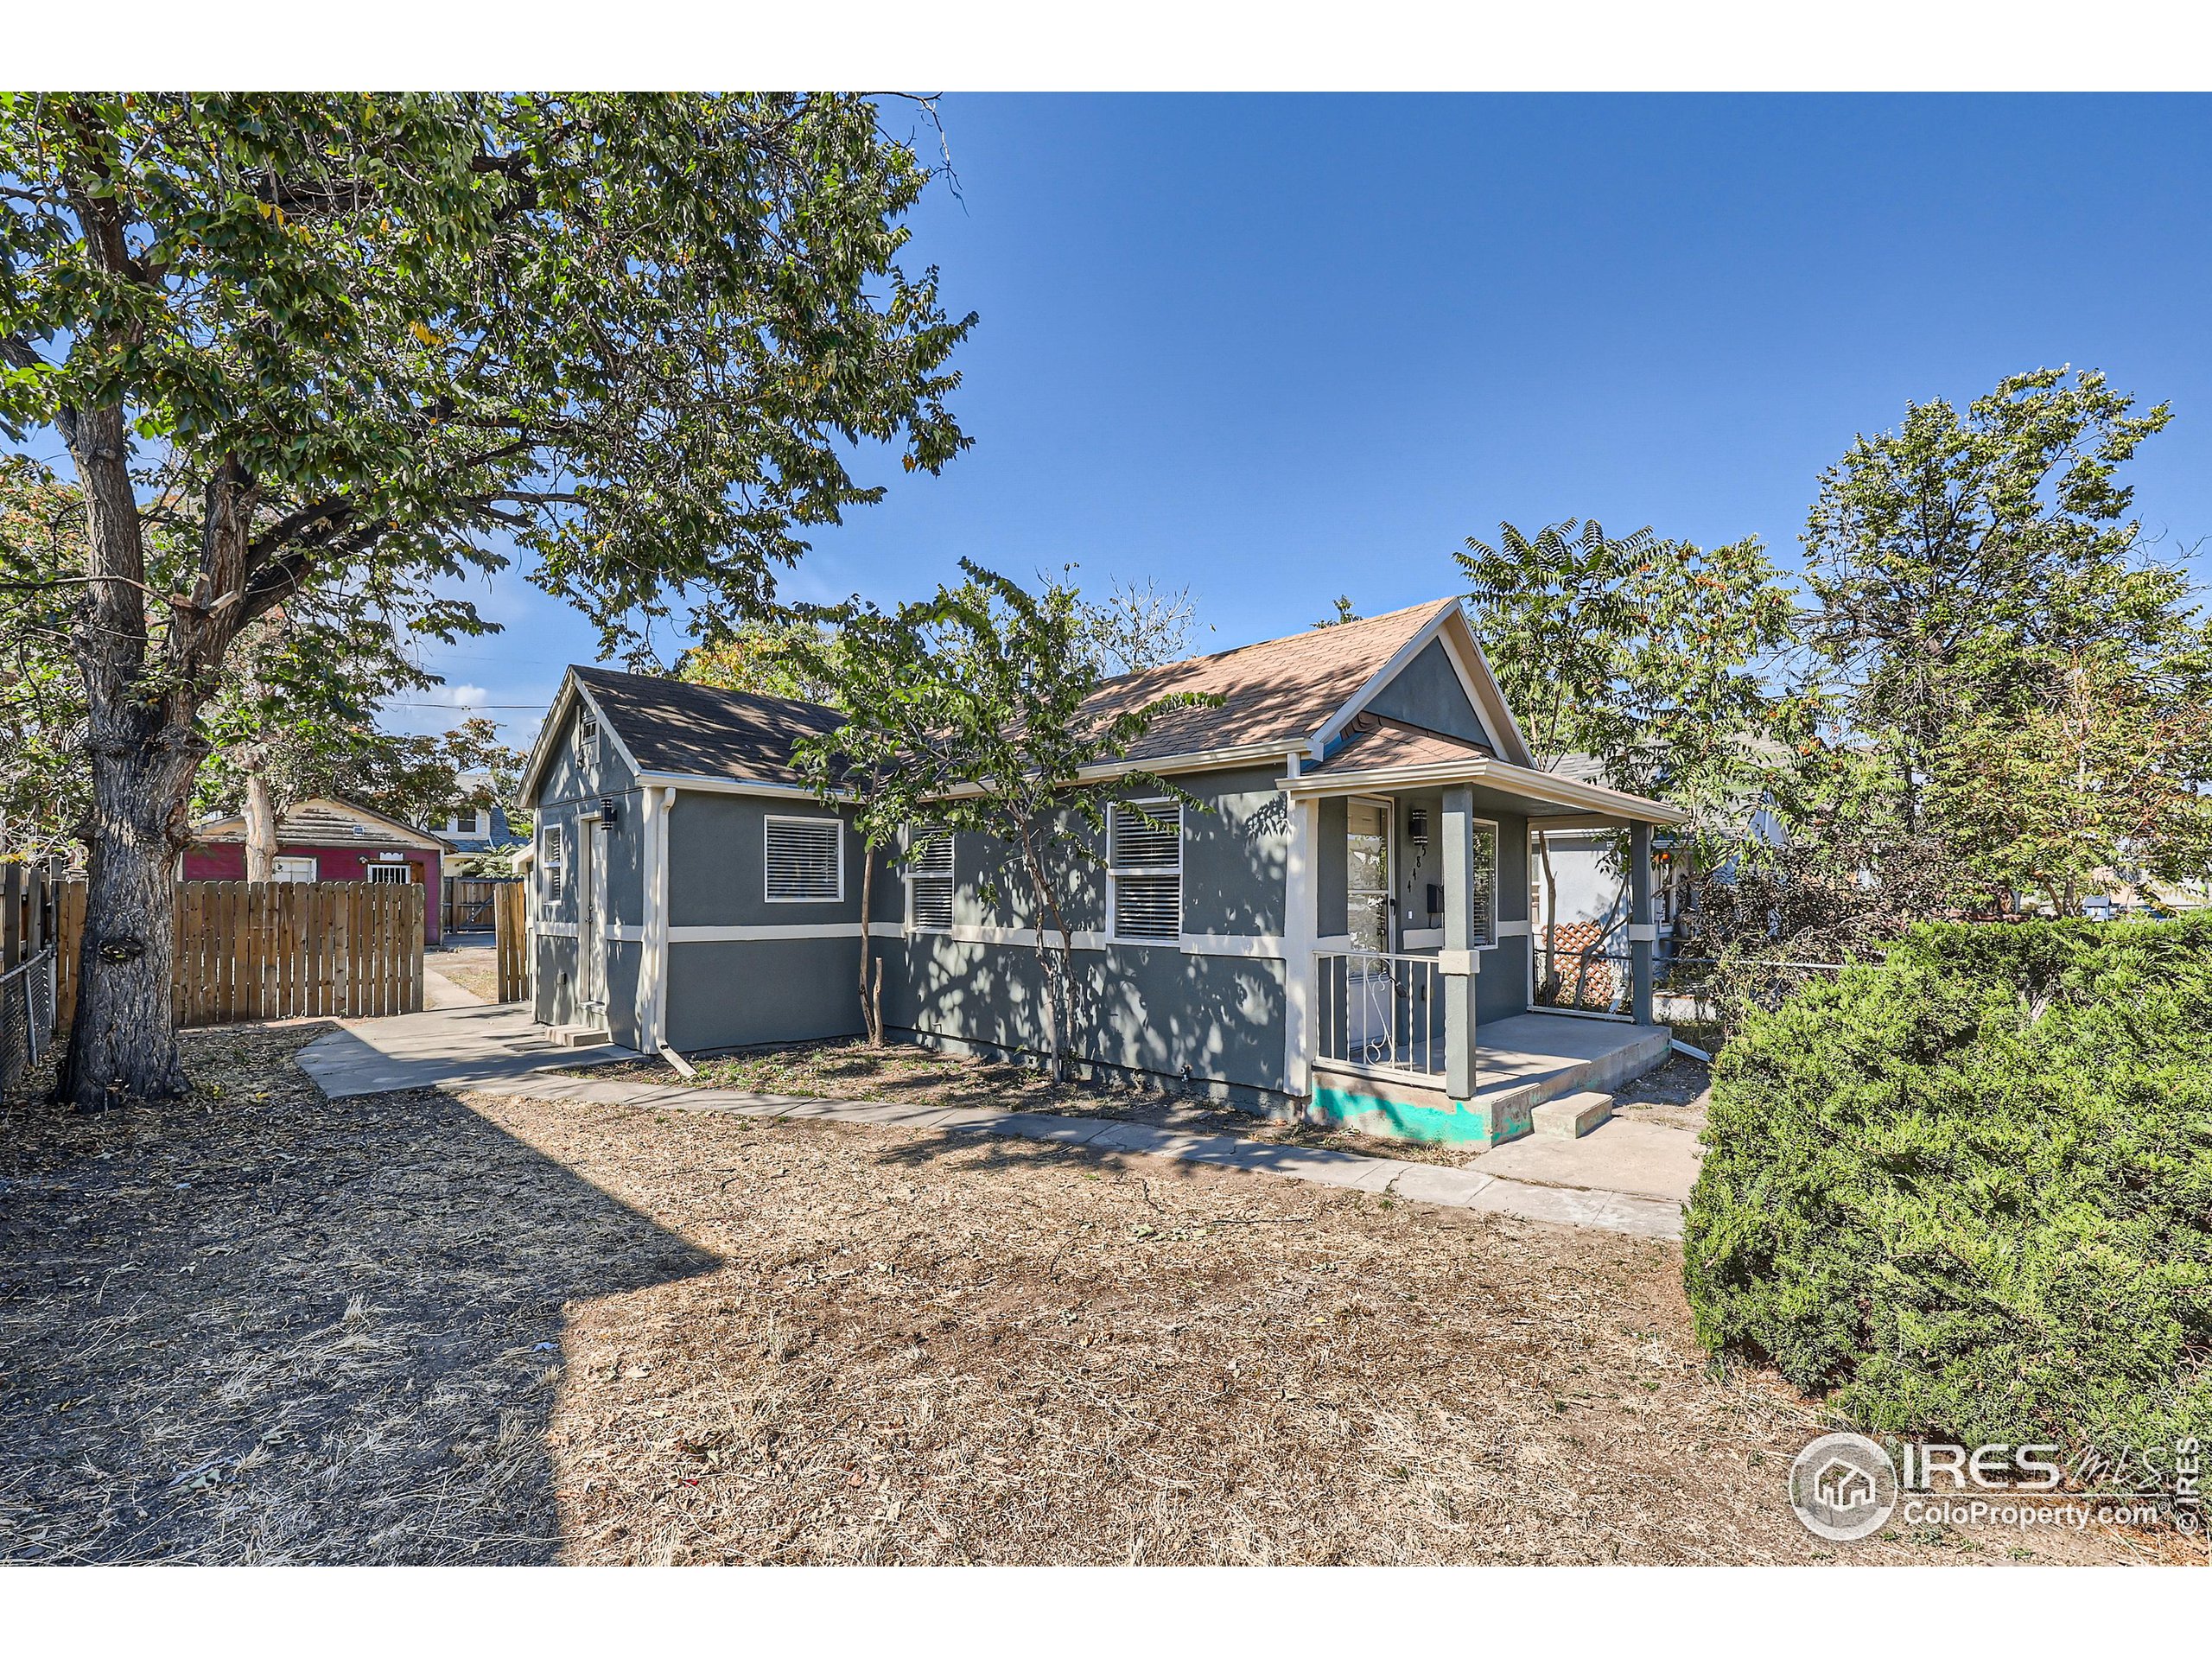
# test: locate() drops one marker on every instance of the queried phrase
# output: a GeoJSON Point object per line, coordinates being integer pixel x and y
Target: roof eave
{"type": "Point", "coordinates": [1578, 798]}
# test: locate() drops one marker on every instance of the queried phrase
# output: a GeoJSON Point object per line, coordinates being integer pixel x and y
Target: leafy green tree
{"type": "Point", "coordinates": [1961, 562]}
{"type": "Point", "coordinates": [43, 794]}
{"type": "Point", "coordinates": [1660, 658]}
{"type": "Point", "coordinates": [291, 340]}
{"type": "Point", "coordinates": [978, 712]}
{"type": "Point", "coordinates": [768, 659]}
{"type": "Point", "coordinates": [2104, 773]}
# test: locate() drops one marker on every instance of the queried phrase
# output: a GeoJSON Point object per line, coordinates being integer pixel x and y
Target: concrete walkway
{"type": "Point", "coordinates": [437, 1048]}
{"type": "Point", "coordinates": [494, 1050]}
{"type": "Point", "coordinates": [439, 992]}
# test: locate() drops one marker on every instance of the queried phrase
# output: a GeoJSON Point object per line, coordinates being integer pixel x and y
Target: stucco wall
{"type": "Point", "coordinates": [727, 993]}
{"type": "Point", "coordinates": [1141, 1008]}
{"type": "Point", "coordinates": [569, 787]}
{"type": "Point", "coordinates": [1426, 692]}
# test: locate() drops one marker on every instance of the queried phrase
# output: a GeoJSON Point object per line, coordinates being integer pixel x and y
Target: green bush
{"type": "Point", "coordinates": [1967, 1192]}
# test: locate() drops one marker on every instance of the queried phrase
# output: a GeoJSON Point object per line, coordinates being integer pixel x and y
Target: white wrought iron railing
{"type": "Point", "coordinates": [1379, 1011]}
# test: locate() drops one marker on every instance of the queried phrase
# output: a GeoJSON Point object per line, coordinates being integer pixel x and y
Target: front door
{"type": "Point", "coordinates": [591, 907]}
{"type": "Point", "coordinates": [1368, 917]}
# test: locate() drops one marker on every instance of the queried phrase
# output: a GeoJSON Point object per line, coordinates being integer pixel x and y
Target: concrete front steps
{"type": "Point", "coordinates": [1561, 1067]}
{"type": "Point", "coordinates": [577, 1036]}
{"type": "Point", "coordinates": [1569, 1117]}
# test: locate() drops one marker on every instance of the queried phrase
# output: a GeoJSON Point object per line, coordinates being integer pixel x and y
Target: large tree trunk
{"type": "Point", "coordinates": [122, 1044]}
{"type": "Point", "coordinates": [260, 830]}
{"type": "Point", "coordinates": [871, 995]}
{"type": "Point", "coordinates": [143, 753]}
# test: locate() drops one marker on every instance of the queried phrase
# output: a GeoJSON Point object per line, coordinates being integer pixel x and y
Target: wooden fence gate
{"type": "Point", "coordinates": [280, 949]}
{"type": "Point", "coordinates": [510, 912]}
{"type": "Point", "coordinates": [470, 901]}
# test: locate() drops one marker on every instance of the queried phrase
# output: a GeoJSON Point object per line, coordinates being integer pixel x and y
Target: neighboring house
{"type": "Point", "coordinates": [476, 828]}
{"type": "Point", "coordinates": [1331, 932]}
{"type": "Point", "coordinates": [1594, 897]}
{"type": "Point", "coordinates": [326, 839]}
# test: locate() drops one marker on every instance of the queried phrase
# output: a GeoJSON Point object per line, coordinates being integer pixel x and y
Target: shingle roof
{"type": "Point", "coordinates": [1581, 768]}
{"type": "Point", "coordinates": [702, 731]}
{"type": "Point", "coordinates": [1375, 741]}
{"type": "Point", "coordinates": [325, 820]}
{"type": "Point", "coordinates": [1277, 691]}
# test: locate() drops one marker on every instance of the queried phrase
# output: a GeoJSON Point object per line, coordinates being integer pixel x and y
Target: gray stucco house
{"type": "Point", "coordinates": [1344, 930]}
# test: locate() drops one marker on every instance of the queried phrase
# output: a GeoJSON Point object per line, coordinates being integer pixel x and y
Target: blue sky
{"type": "Point", "coordinates": [1281, 348]}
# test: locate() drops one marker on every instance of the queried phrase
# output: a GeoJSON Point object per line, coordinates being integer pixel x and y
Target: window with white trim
{"type": "Point", "coordinates": [1144, 870]}
{"type": "Point", "coordinates": [588, 738]}
{"type": "Point", "coordinates": [390, 875]}
{"type": "Point", "coordinates": [929, 883]}
{"type": "Point", "coordinates": [548, 859]}
{"type": "Point", "coordinates": [1483, 879]}
{"type": "Point", "coordinates": [805, 861]}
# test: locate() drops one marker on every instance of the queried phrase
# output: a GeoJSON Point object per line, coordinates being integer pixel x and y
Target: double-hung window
{"type": "Point", "coordinates": [805, 861]}
{"type": "Point", "coordinates": [929, 883]}
{"type": "Point", "coordinates": [588, 739]}
{"type": "Point", "coordinates": [1144, 870]}
{"type": "Point", "coordinates": [548, 859]}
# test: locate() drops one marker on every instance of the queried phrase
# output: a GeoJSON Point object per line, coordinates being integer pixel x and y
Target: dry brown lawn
{"type": "Point", "coordinates": [407, 1328]}
{"type": "Point", "coordinates": [473, 967]}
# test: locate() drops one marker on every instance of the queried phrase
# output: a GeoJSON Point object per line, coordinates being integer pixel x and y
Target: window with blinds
{"type": "Point", "coordinates": [549, 862]}
{"type": "Point", "coordinates": [1483, 878]}
{"type": "Point", "coordinates": [1144, 867]}
{"type": "Point", "coordinates": [806, 860]}
{"type": "Point", "coordinates": [929, 883]}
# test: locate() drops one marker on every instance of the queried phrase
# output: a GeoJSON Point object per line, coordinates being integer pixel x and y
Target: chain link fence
{"type": "Point", "coordinates": [26, 1017]}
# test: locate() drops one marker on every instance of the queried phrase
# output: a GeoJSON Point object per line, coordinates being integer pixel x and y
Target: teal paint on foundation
{"type": "Point", "coordinates": [1460, 1124]}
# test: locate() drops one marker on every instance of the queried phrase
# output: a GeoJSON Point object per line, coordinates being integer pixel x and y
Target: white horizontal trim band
{"type": "Point", "coordinates": [782, 930]}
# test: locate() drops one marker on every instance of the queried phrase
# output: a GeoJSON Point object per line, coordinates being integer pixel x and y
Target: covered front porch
{"type": "Point", "coordinates": [1421, 1006]}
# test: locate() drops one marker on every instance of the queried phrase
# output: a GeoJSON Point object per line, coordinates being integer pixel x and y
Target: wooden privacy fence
{"type": "Point", "coordinates": [470, 901]}
{"type": "Point", "coordinates": [280, 949]}
{"type": "Point", "coordinates": [511, 912]}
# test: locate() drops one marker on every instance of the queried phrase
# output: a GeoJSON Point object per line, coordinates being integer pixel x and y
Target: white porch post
{"type": "Point", "coordinates": [1642, 934]}
{"type": "Point", "coordinates": [1457, 961]}
{"type": "Point", "coordinates": [1300, 908]}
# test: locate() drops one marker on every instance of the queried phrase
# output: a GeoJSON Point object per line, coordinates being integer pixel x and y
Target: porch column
{"type": "Point", "coordinates": [1642, 934]}
{"type": "Point", "coordinates": [1457, 961]}
{"type": "Point", "coordinates": [1299, 924]}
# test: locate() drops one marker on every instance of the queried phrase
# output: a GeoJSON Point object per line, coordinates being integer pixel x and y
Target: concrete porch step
{"type": "Point", "coordinates": [577, 1036]}
{"type": "Point", "coordinates": [1526, 1060]}
{"type": "Point", "coordinates": [1569, 1117]}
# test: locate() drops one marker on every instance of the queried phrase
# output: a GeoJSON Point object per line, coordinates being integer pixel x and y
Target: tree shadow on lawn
{"type": "Point", "coordinates": [266, 1326]}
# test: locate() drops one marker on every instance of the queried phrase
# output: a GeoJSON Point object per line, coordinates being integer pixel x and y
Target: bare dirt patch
{"type": "Point", "coordinates": [1673, 1094]}
{"type": "Point", "coordinates": [268, 1327]}
{"type": "Point", "coordinates": [272, 1327]}
{"type": "Point", "coordinates": [848, 1069]}
{"type": "Point", "coordinates": [936, 1348]}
